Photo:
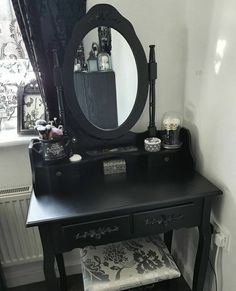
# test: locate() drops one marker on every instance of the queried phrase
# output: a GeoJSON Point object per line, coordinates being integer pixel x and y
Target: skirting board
{"type": "Point", "coordinates": [33, 272]}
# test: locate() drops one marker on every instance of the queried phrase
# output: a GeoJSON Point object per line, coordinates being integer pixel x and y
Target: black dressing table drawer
{"type": "Point", "coordinates": [96, 232]}
{"type": "Point", "coordinates": [164, 219]}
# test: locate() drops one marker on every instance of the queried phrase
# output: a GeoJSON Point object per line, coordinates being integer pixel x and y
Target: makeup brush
{"type": "Point", "coordinates": [42, 131]}
{"type": "Point", "coordinates": [40, 122]}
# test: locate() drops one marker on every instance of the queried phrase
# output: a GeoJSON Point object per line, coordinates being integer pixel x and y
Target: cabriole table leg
{"type": "Point", "coordinates": [203, 248]}
{"type": "Point", "coordinates": [49, 260]}
{"type": "Point", "coordinates": [62, 271]}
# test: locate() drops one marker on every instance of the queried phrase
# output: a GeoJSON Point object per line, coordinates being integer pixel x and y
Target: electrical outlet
{"type": "Point", "coordinates": [222, 234]}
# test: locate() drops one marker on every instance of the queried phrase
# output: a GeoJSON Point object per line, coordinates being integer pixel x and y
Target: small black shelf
{"type": "Point", "coordinates": [64, 175]}
{"type": "Point", "coordinates": [87, 158]}
{"type": "Point", "coordinates": [127, 150]}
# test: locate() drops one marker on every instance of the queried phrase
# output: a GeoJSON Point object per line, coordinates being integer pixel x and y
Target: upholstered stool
{"type": "Point", "coordinates": [127, 264]}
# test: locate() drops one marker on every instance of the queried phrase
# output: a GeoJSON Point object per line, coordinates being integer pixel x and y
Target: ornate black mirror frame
{"type": "Point", "coordinates": [105, 15]}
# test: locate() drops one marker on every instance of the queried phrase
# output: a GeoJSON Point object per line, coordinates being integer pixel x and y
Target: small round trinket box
{"type": "Point", "coordinates": [152, 144]}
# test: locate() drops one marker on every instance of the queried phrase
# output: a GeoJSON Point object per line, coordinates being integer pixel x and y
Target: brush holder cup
{"type": "Point", "coordinates": [53, 151]}
{"type": "Point", "coordinates": [171, 125]}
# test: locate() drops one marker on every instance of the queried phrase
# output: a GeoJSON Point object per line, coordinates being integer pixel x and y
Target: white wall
{"type": "Point", "coordinates": [159, 22]}
{"type": "Point", "coordinates": [210, 105]}
{"type": "Point", "coordinates": [14, 166]}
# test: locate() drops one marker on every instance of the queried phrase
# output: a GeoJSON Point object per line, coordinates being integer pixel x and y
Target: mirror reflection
{"type": "Point", "coordinates": [105, 78]}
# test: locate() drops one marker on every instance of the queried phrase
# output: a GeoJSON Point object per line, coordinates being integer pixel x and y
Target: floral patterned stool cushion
{"type": "Point", "coordinates": [127, 264]}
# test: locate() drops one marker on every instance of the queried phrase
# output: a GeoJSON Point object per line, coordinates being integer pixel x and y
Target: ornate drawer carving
{"type": "Point", "coordinates": [96, 232]}
{"type": "Point", "coordinates": [164, 219]}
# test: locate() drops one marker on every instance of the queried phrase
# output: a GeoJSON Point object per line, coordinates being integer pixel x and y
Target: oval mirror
{"type": "Point", "coordinates": [105, 78]}
{"type": "Point", "coordinates": [105, 74]}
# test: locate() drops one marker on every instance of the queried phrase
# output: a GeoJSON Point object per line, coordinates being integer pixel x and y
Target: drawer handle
{"type": "Point", "coordinates": [163, 219]}
{"type": "Point", "coordinates": [96, 233]}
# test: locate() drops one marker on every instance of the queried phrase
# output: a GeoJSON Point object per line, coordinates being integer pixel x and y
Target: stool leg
{"type": "Point", "coordinates": [168, 239]}
{"type": "Point", "coordinates": [2, 280]}
{"type": "Point", "coordinates": [62, 271]}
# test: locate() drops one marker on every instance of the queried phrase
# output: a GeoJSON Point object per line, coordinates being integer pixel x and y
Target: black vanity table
{"type": "Point", "coordinates": [75, 204]}
{"type": "Point", "coordinates": [122, 206]}
{"type": "Point", "coordinates": [117, 210]}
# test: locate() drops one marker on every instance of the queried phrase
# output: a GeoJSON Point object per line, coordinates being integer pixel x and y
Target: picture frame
{"type": "Point", "coordinates": [104, 62]}
{"type": "Point", "coordinates": [30, 108]}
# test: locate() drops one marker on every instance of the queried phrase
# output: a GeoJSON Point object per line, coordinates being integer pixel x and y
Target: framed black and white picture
{"type": "Point", "coordinates": [30, 108]}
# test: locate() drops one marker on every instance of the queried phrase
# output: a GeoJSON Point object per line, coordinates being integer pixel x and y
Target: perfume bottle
{"type": "Point", "coordinates": [79, 59]}
{"type": "Point", "coordinates": [93, 60]}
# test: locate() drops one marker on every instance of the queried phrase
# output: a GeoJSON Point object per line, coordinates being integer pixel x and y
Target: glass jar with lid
{"type": "Point", "coordinates": [171, 125]}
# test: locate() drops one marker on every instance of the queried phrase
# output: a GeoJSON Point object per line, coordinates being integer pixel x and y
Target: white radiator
{"type": "Point", "coordinates": [17, 244]}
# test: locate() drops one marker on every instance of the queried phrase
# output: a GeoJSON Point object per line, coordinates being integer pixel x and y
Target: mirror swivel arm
{"type": "Point", "coordinates": [58, 84]}
{"type": "Point", "coordinates": [152, 72]}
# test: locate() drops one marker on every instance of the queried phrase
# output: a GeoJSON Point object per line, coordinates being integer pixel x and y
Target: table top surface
{"type": "Point", "coordinates": [116, 195]}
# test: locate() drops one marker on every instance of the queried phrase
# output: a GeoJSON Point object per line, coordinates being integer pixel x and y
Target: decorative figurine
{"type": "Point", "coordinates": [93, 60]}
{"type": "Point", "coordinates": [80, 64]}
{"type": "Point", "coordinates": [95, 49]}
